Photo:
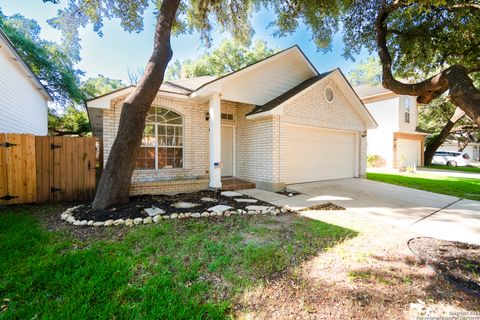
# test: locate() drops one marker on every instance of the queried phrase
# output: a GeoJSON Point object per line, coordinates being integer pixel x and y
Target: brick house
{"type": "Point", "coordinates": [276, 122]}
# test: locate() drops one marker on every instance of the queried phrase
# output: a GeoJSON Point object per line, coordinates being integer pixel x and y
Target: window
{"type": "Point", "coordinates": [407, 108]}
{"type": "Point", "coordinates": [162, 142]}
{"type": "Point", "coordinates": [328, 94]}
{"type": "Point", "coordinates": [227, 116]}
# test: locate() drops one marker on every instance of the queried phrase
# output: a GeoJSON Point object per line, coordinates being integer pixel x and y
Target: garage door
{"type": "Point", "coordinates": [408, 152]}
{"type": "Point", "coordinates": [313, 154]}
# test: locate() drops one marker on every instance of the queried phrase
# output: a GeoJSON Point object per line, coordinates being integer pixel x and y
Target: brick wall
{"type": "Point", "coordinates": [195, 135]}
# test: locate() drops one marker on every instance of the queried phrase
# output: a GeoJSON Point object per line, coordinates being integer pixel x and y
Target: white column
{"type": "Point", "coordinates": [215, 142]}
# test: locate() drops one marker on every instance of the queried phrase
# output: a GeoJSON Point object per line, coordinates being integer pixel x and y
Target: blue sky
{"type": "Point", "coordinates": [118, 51]}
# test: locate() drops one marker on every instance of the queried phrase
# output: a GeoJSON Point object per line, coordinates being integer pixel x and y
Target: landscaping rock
{"type": "Point", "coordinates": [227, 214]}
{"type": "Point", "coordinates": [205, 214]}
{"type": "Point", "coordinates": [157, 219]}
{"type": "Point", "coordinates": [119, 222]}
{"type": "Point", "coordinates": [90, 223]}
{"type": "Point", "coordinates": [208, 199]}
{"type": "Point", "coordinates": [181, 216]}
{"type": "Point", "coordinates": [147, 220]}
{"type": "Point", "coordinates": [154, 211]}
{"type": "Point", "coordinates": [220, 208]}
{"type": "Point", "coordinates": [98, 224]}
{"type": "Point", "coordinates": [246, 200]}
{"type": "Point", "coordinates": [129, 223]}
{"type": "Point", "coordinates": [76, 223]}
{"type": "Point", "coordinates": [257, 208]}
{"type": "Point", "coordinates": [188, 215]}
{"type": "Point", "coordinates": [174, 216]}
{"type": "Point", "coordinates": [137, 221]}
{"type": "Point", "coordinates": [83, 222]}
{"type": "Point", "coordinates": [231, 194]}
{"type": "Point", "coordinates": [196, 215]}
{"type": "Point", "coordinates": [184, 205]}
{"type": "Point", "coordinates": [108, 223]}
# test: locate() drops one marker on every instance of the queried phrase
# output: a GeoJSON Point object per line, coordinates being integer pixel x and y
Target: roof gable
{"type": "Point", "coordinates": [275, 106]}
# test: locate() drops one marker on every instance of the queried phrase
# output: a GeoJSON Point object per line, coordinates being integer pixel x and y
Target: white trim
{"type": "Point", "coordinates": [215, 141]}
{"type": "Point", "coordinates": [234, 146]}
{"type": "Point", "coordinates": [358, 159]}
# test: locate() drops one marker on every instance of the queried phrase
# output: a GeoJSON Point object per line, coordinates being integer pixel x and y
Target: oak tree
{"type": "Point", "coordinates": [173, 16]}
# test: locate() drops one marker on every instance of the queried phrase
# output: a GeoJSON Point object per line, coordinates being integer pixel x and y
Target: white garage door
{"type": "Point", "coordinates": [408, 152]}
{"type": "Point", "coordinates": [313, 154]}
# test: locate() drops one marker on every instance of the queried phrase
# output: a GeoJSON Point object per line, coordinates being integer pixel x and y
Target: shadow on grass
{"type": "Point", "coordinates": [173, 270]}
{"type": "Point", "coordinates": [397, 287]}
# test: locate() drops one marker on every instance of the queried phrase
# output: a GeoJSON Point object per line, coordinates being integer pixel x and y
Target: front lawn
{"type": "Point", "coordinates": [172, 270]}
{"type": "Point", "coordinates": [465, 169]}
{"type": "Point", "coordinates": [468, 188]}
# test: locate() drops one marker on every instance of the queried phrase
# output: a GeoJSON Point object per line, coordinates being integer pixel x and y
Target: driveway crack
{"type": "Point", "coordinates": [431, 214]}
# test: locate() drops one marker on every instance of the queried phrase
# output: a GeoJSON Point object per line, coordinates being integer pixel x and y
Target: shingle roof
{"type": "Point", "coordinates": [186, 86]}
{"type": "Point", "coordinates": [366, 90]}
{"type": "Point", "coordinates": [289, 94]}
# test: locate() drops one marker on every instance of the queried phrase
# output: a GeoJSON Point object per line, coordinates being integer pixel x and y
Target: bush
{"type": "Point", "coordinates": [375, 161]}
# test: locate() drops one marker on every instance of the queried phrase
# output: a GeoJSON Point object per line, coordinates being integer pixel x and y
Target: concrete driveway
{"type": "Point", "coordinates": [426, 213]}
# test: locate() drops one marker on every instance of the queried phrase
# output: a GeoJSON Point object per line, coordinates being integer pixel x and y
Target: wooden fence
{"type": "Point", "coordinates": [46, 169]}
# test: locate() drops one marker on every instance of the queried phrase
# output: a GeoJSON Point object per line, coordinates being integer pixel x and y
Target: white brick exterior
{"type": "Point", "coordinates": [259, 148]}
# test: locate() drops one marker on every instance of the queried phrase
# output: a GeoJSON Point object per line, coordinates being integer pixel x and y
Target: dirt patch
{"type": "Point", "coordinates": [324, 206]}
{"type": "Point", "coordinates": [135, 209]}
{"type": "Point", "coordinates": [458, 262]}
{"type": "Point", "coordinates": [371, 276]}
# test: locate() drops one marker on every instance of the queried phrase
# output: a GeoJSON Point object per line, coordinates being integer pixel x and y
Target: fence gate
{"type": "Point", "coordinates": [65, 168]}
{"type": "Point", "coordinates": [17, 169]}
{"type": "Point", "coordinates": [46, 169]}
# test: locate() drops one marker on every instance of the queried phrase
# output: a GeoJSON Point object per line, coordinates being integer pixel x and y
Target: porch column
{"type": "Point", "coordinates": [215, 142]}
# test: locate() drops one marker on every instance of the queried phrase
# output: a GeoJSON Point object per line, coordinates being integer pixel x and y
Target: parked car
{"type": "Point", "coordinates": [451, 158]}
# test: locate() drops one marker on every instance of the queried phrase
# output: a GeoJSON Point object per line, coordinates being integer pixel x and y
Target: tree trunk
{"type": "Point", "coordinates": [114, 185]}
{"type": "Point", "coordinates": [434, 144]}
{"type": "Point", "coordinates": [463, 145]}
{"type": "Point", "coordinates": [455, 79]}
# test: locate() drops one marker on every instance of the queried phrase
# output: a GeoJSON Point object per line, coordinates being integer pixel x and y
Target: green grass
{"type": "Point", "coordinates": [468, 188]}
{"type": "Point", "coordinates": [189, 269]}
{"type": "Point", "coordinates": [464, 169]}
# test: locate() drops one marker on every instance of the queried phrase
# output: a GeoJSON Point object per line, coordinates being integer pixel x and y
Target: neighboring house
{"type": "Point", "coordinates": [272, 123]}
{"type": "Point", "coordinates": [472, 148]}
{"type": "Point", "coordinates": [397, 140]}
{"type": "Point", "coordinates": [23, 99]}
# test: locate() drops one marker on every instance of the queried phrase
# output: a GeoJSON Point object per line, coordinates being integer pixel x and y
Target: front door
{"type": "Point", "coordinates": [227, 151]}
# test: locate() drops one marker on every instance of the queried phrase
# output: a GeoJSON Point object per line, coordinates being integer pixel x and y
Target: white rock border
{"type": "Point", "coordinates": [67, 216]}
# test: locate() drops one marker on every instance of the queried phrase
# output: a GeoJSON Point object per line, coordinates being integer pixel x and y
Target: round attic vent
{"type": "Point", "coordinates": [329, 94]}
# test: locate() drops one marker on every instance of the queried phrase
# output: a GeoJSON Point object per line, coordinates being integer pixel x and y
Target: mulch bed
{"type": "Point", "coordinates": [324, 206]}
{"type": "Point", "coordinates": [135, 209]}
{"type": "Point", "coordinates": [288, 193]}
{"type": "Point", "coordinates": [458, 262]}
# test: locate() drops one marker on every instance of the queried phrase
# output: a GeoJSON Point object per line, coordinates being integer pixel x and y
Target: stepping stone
{"type": "Point", "coordinates": [257, 208]}
{"type": "Point", "coordinates": [152, 212]}
{"type": "Point", "coordinates": [207, 199]}
{"type": "Point", "coordinates": [231, 194]}
{"type": "Point", "coordinates": [246, 200]}
{"type": "Point", "coordinates": [220, 208]}
{"type": "Point", "coordinates": [183, 205]}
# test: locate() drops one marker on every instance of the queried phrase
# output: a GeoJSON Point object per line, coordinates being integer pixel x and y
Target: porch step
{"type": "Point", "coordinates": [230, 184]}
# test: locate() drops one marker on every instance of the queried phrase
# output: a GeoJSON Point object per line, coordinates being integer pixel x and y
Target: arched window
{"type": "Point", "coordinates": [162, 142]}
